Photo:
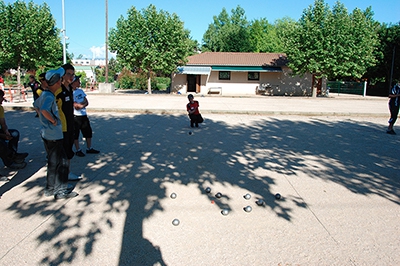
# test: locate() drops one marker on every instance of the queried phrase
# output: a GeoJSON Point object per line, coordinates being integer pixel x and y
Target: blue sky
{"type": "Point", "coordinates": [85, 19]}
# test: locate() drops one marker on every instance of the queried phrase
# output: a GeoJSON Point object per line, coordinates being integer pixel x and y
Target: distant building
{"type": "Point", "coordinates": [88, 66]}
{"type": "Point", "coordinates": [239, 74]}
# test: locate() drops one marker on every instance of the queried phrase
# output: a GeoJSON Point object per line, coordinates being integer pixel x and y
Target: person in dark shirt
{"type": "Point", "coordinates": [394, 104]}
{"type": "Point", "coordinates": [67, 109]}
{"type": "Point", "coordinates": [34, 85]}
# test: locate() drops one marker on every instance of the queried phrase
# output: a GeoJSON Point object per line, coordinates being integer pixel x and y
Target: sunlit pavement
{"type": "Point", "coordinates": [334, 165]}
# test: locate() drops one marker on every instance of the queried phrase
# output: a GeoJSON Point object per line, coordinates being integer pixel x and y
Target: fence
{"type": "Point", "coordinates": [357, 88]}
{"type": "Point", "coordinates": [17, 94]}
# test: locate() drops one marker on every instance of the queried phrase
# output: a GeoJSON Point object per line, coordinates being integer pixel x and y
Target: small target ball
{"type": "Point", "coordinates": [247, 209]}
{"type": "Point", "coordinates": [208, 189]}
{"type": "Point", "coordinates": [260, 202]}
{"type": "Point", "coordinates": [247, 196]}
{"type": "Point", "coordinates": [278, 196]}
{"type": "Point", "coordinates": [175, 222]}
{"type": "Point", "coordinates": [218, 195]}
{"type": "Point", "coordinates": [173, 196]}
{"type": "Point", "coordinates": [225, 212]}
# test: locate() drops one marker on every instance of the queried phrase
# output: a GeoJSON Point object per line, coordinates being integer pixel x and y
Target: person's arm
{"type": "Point", "coordinates": [394, 95]}
{"type": "Point", "coordinates": [49, 117]}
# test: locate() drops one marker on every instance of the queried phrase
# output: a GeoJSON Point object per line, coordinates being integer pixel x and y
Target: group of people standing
{"type": "Point", "coordinates": [61, 108]}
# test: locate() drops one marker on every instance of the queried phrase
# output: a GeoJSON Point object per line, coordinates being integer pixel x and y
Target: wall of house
{"type": "Point", "coordinates": [280, 83]}
{"type": "Point", "coordinates": [178, 83]}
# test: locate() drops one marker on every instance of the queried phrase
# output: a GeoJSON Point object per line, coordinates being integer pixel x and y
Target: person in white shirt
{"type": "Point", "coordinates": [81, 121]}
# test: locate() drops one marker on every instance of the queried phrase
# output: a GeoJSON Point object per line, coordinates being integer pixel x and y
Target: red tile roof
{"type": "Point", "coordinates": [237, 59]}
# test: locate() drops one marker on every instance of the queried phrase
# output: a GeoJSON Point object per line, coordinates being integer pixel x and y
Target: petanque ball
{"type": "Point", "coordinates": [190, 132]}
{"type": "Point", "coordinates": [225, 212]}
{"type": "Point", "coordinates": [247, 196]}
{"type": "Point", "coordinates": [175, 222]}
{"type": "Point", "coordinates": [218, 195]}
{"type": "Point", "coordinates": [247, 209]}
{"type": "Point", "coordinates": [278, 196]}
{"type": "Point", "coordinates": [208, 189]}
{"type": "Point", "coordinates": [173, 196]}
{"type": "Point", "coordinates": [260, 202]}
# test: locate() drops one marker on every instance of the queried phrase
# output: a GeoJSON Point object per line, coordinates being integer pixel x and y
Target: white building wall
{"type": "Point", "coordinates": [281, 83]}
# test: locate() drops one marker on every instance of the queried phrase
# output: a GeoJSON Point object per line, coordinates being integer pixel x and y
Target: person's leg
{"type": "Point", "coordinates": [5, 153]}
{"type": "Point", "coordinates": [62, 168]}
{"type": "Point", "coordinates": [192, 118]}
{"type": "Point", "coordinates": [13, 143]}
{"type": "Point", "coordinates": [87, 133]}
{"type": "Point", "coordinates": [50, 147]}
{"type": "Point", "coordinates": [77, 129]}
{"type": "Point", "coordinates": [394, 112]}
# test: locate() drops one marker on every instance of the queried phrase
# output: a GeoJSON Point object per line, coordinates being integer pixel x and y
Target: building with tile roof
{"type": "Point", "coordinates": [227, 73]}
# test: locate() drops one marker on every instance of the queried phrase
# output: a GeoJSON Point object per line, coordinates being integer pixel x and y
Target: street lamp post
{"type": "Point", "coordinates": [106, 42]}
{"type": "Point", "coordinates": [64, 35]}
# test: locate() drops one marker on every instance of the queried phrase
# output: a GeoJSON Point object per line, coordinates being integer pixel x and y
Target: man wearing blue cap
{"type": "Point", "coordinates": [52, 135]}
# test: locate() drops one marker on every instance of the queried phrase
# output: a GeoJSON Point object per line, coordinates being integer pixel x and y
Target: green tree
{"type": "Point", "coordinates": [388, 54]}
{"type": "Point", "coordinates": [228, 33]}
{"type": "Point", "coordinates": [331, 44]}
{"type": "Point", "coordinates": [263, 37]}
{"type": "Point", "coordinates": [155, 42]}
{"type": "Point", "coordinates": [29, 39]}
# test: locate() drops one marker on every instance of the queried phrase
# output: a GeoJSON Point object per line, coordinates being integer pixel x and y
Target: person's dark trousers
{"type": "Point", "coordinates": [6, 154]}
{"type": "Point", "coordinates": [57, 166]}
{"type": "Point", "coordinates": [13, 143]}
{"type": "Point", "coordinates": [394, 112]}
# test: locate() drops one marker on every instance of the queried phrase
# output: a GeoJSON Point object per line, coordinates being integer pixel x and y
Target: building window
{"type": "Point", "coordinates": [224, 75]}
{"type": "Point", "coordinates": [253, 76]}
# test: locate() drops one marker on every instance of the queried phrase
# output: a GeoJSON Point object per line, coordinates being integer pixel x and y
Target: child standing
{"type": "Point", "coordinates": [82, 123]}
{"type": "Point", "coordinates": [193, 110]}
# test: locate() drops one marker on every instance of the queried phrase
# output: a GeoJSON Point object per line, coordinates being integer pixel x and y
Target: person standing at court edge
{"type": "Point", "coordinates": [394, 104]}
{"type": "Point", "coordinates": [52, 135]}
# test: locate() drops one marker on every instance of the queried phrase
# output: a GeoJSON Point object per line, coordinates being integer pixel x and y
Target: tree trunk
{"type": "Point", "coordinates": [314, 86]}
{"type": "Point", "coordinates": [148, 82]}
{"type": "Point", "coordinates": [19, 75]}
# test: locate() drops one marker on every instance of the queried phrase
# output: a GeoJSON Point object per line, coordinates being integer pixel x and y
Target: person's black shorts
{"type": "Point", "coordinates": [68, 142]}
{"type": "Point", "coordinates": [82, 124]}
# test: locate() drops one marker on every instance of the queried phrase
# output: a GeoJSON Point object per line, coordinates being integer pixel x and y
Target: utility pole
{"type": "Point", "coordinates": [106, 42]}
{"type": "Point", "coordinates": [64, 35]}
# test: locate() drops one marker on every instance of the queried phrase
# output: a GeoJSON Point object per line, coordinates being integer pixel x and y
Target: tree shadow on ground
{"type": "Point", "coordinates": [143, 154]}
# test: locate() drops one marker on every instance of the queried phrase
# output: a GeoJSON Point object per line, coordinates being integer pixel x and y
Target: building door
{"type": "Point", "coordinates": [193, 83]}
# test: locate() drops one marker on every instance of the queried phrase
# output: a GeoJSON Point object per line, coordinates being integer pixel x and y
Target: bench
{"type": "Point", "coordinates": [215, 90]}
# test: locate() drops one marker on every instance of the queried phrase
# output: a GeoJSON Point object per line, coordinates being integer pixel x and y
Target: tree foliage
{"type": "Point", "coordinates": [29, 37]}
{"type": "Point", "coordinates": [263, 37]}
{"type": "Point", "coordinates": [151, 40]}
{"type": "Point", "coordinates": [228, 33]}
{"type": "Point", "coordinates": [331, 43]}
{"type": "Point", "coordinates": [388, 54]}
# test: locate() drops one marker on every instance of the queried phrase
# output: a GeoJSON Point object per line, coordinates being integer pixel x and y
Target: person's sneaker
{"type": "Point", "coordinates": [74, 177]}
{"type": "Point", "coordinates": [80, 153]}
{"type": "Point", "coordinates": [4, 178]}
{"type": "Point", "coordinates": [65, 195]}
{"type": "Point", "coordinates": [91, 150]}
{"type": "Point", "coordinates": [17, 166]}
{"type": "Point", "coordinates": [391, 132]}
{"type": "Point", "coordinates": [48, 192]}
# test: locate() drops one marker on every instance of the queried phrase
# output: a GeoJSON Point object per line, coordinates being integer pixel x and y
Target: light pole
{"type": "Point", "coordinates": [64, 35]}
{"type": "Point", "coordinates": [106, 42]}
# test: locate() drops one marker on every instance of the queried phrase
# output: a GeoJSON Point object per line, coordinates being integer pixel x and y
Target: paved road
{"type": "Point", "coordinates": [338, 176]}
{"type": "Point", "coordinates": [337, 105]}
